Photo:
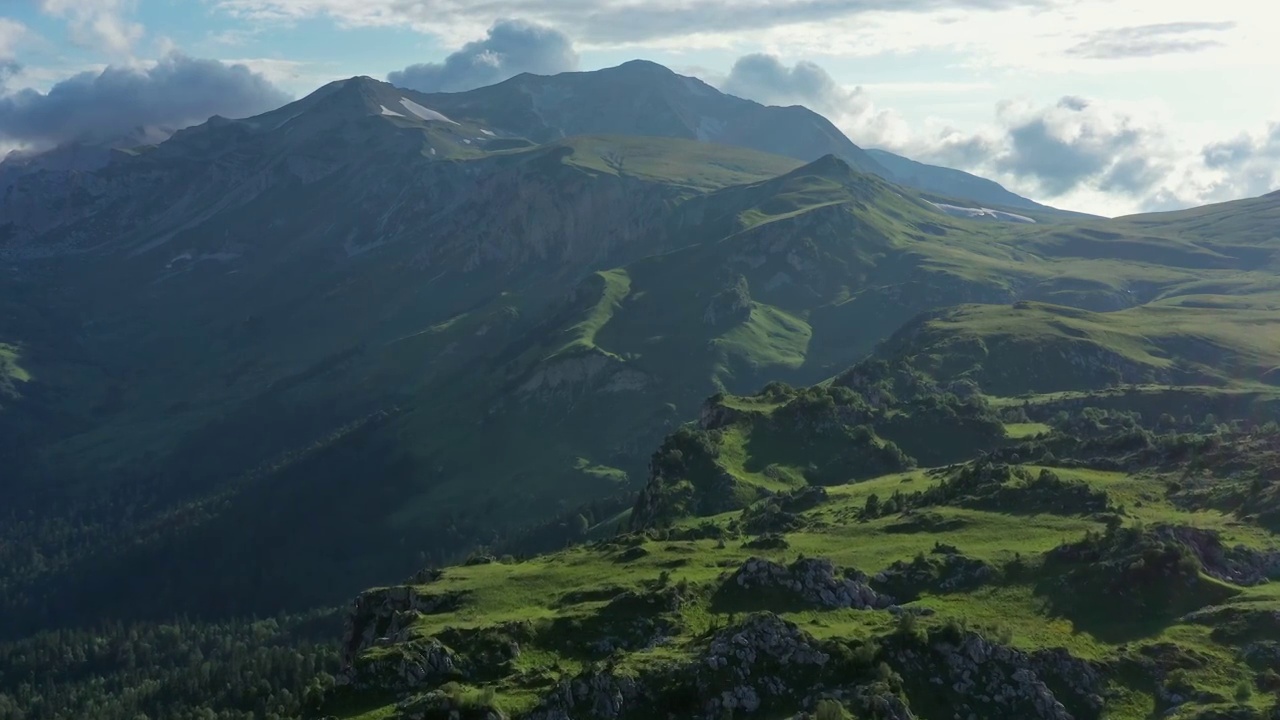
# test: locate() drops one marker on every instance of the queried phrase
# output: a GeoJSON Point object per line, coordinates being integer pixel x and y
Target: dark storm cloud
{"type": "Point", "coordinates": [511, 47]}
{"type": "Point", "coordinates": [1151, 40]}
{"type": "Point", "coordinates": [177, 92]}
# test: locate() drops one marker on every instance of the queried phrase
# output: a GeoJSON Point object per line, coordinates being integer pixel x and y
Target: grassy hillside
{"type": "Point", "coordinates": [1104, 571]}
{"type": "Point", "coordinates": [1249, 222]}
{"type": "Point", "coordinates": [1191, 340]}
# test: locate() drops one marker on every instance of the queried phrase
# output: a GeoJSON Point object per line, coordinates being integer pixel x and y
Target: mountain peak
{"type": "Point", "coordinates": [827, 166]}
{"type": "Point", "coordinates": [643, 66]}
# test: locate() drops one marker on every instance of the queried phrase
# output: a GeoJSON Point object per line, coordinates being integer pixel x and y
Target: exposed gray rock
{"type": "Point", "coordinates": [598, 694]}
{"type": "Point", "coordinates": [985, 679]}
{"type": "Point", "coordinates": [714, 415]}
{"type": "Point", "coordinates": [385, 617]}
{"type": "Point", "coordinates": [745, 665]}
{"type": "Point", "coordinates": [409, 666]}
{"type": "Point", "coordinates": [1239, 564]}
{"type": "Point", "coordinates": [730, 306]}
{"type": "Point", "coordinates": [815, 581]}
{"type": "Point", "coordinates": [1263, 654]}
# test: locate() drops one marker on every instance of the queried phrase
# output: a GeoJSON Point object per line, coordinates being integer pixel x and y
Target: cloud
{"type": "Point", "coordinates": [632, 22]}
{"type": "Point", "coordinates": [11, 33]}
{"type": "Point", "coordinates": [1092, 155]}
{"type": "Point", "coordinates": [175, 92]}
{"type": "Point", "coordinates": [1073, 145]}
{"type": "Point", "coordinates": [1076, 141]}
{"type": "Point", "coordinates": [8, 68]}
{"type": "Point", "coordinates": [766, 79]}
{"type": "Point", "coordinates": [99, 24]}
{"type": "Point", "coordinates": [1077, 152]}
{"type": "Point", "coordinates": [508, 49]}
{"type": "Point", "coordinates": [1151, 40]}
{"type": "Point", "coordinates": [1247, 165]}
{"type": "Point", "coordinates": [600, 21]}
{"type": "Point", "coordinates": [275, 70]}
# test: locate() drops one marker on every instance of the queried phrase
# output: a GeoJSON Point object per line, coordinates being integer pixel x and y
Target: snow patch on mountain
{"type": "Point", "coordinates": [423, 112]}
{"type": "Point", "coordinates": [981, 213]}
{"type": "Point", "coordinates": [388, 111]}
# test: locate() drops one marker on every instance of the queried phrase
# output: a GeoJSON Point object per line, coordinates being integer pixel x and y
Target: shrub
{"type": "Point", "coordinates": [829, 709]}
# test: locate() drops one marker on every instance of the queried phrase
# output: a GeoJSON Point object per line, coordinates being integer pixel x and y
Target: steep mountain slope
{"type": "Point", "coordinates": [201, 318]}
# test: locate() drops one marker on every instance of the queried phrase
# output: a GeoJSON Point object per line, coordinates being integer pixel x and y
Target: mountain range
{"type": "Point", "coordinates": [272, 361]}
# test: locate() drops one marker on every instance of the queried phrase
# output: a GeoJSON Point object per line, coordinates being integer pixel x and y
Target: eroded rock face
{"type": "Point", "coordinates": [408, 666]}
{"type": "Point", "coordinates": [743, 669]}
{"type": "Point", "coordinates": [985, 679]}
{"type": "Point", "coordinates": [1239, 565]}
{"type": "Point", "coordinates": [383, 617]}
{"type": "Point", "coordinates": [730, 306]}
{"type": "Point", "coordinates": [600, 695]}
{"type": "Point", "coordinates": [747, 665]}
{"type": "Point", "coordinates": [815, 581]}
{"type": "Point", "coordinates": [714, 415]}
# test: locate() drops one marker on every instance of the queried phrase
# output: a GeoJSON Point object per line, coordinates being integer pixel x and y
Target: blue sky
{"type": "Point", "coordinates": [1093, 104]}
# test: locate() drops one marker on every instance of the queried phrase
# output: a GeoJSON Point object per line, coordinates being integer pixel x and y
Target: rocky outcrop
{"type": "Point", "coordinates": [576, 373]}
{"type": "Point", "coordinates": [730, 306]}
{"type": "Point", "coordinates": [762, 659]}
{"type": "Point", "coordinates": [980, 678]}
{"type": "Point", "coordinates": [686, 480]}
{"type": "Point", "coordinates": [744, 668]}
{"type": "Point", "coordinates": [1239, 564]}
{"type": "Point", "coordinates": [406, 666]}
{"type": "Point", "coordinates": [596, 694]}
{"type": "Point", "coordinates": [715, 415]}
{"type": "Point", "coordinates": [1262, 654]}
{"type": "Point", "coordinates": [812, 581]}
{"type": "Point", "coordinates": [385, 616]}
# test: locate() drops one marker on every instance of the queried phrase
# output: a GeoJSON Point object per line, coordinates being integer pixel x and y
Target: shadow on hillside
{"type": "Point", "coordinates": [1117, 620]}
